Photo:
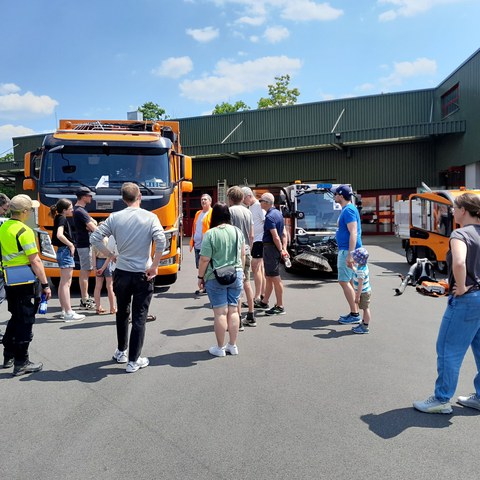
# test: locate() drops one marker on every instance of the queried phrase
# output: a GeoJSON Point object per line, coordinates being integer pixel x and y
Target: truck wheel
{"type": "Point", "coordinates": [410, 255]}
{"type": "Point", "coordinates": [162, 280]}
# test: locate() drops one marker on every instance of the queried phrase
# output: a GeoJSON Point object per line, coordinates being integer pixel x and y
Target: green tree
{"type": "Point", "coordinates": [7, 158]}
{"type": "Point", "coordinates": [279, 94]}
{"type": "Point", "coordinates": [152, 111]}
{"type": "Point", "coordinates": [226, 107]}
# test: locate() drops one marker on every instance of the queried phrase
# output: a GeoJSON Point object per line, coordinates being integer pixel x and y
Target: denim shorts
{"type": "Point", "coordinates": [108, 271]}
{"type": "Point", "coordinates": [64, 258]}
{"type": "Point", "coordinates": [223, 295]}
{"type": "Point", "coordinates": [345, 274]}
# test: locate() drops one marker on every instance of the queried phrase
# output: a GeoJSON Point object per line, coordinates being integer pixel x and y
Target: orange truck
{"type": "Point", "coordinates": [430, 222]}
{"type": "Point", "coordinates": [102, 155]}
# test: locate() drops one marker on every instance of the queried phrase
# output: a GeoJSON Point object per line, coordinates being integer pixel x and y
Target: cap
{"type": "Point", "coordinates": [268, 197]}
{"type": "Point", "coordinates": [360, 256]}
{"type": "Point", "coordinates": [82, 191]}
{"type": "Point", "coordinates": [22, 202]}
{"type": "Point", "coordinates": [345, 191]}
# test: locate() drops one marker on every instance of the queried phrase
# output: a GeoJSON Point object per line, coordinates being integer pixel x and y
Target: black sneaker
{"type": "Point", "coordinates": [249, 320]}
{"type": "Point", "coordinates": [88, 304]}
{"type": "Point", "coordinates": [275, 310]}
{"type": "Point", "coordinates": [27, 367]}
{"type": "Point", "coordinates": [244, 305]}
{"type": "Point", "coordinates": [7, 362]}
{"type": "Point", "coordinates": [241, 327]}
{"type": "Point", "coordinates": [259, 304]}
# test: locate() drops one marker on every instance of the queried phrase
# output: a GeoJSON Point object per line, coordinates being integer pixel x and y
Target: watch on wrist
{"type": "Point", "coordinates": [200, 278]}
{"type": "Point", "coordinates": [45, 285]}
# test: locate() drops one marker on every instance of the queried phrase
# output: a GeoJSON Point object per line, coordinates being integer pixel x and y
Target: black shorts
{"type": "Point", "coordinates": [257, 250]}
{"type": "Point", "coordinates": [271, 260]}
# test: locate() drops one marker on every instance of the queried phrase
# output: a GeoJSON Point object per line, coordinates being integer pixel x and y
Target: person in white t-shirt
{"type": "Point", "coordinates": [258, 215]}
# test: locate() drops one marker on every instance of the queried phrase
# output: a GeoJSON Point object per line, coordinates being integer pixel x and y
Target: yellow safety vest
{"type": "Point", "coordinates": [17, 242]}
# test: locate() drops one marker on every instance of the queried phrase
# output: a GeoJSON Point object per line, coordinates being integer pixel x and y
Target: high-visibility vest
{"type": "Point", "coordinates": [17, 242]}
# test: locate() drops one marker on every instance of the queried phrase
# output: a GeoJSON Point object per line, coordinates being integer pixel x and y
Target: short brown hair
{"type": "Point", "coordinates": [130, 192]}
{"type": "Point", "coordinates": [470, 202]}
{"type": "Point", "coordinates": [235, 194]}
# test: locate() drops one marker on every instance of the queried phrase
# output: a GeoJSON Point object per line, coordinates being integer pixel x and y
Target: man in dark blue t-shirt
{"type": "Point", "coordinates": [84, 225]}
{"type": "Point", "coordinates": [348, 237]}
{"type": "Point", "coordinates": [274, 248]}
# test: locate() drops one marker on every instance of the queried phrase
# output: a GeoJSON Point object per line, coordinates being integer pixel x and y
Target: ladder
{"type": "Point", "coordinates": [222, 191]}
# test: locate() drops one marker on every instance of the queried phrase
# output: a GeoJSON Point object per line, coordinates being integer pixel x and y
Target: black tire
{"type": "Point", "coordinates": [410, 254]}
{"type": "Point", "coordinates": [161, 280]}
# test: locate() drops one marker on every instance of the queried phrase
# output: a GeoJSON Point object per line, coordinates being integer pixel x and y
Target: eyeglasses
{"type": "Point", "coordinates": [4, 208]}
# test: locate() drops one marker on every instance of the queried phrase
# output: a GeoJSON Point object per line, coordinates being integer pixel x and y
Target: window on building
{"type": "Point", "coordinates": [450, 101]}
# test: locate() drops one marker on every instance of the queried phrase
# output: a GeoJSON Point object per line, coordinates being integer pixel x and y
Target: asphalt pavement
{"type": "Point", "coordinates": [304, 399]}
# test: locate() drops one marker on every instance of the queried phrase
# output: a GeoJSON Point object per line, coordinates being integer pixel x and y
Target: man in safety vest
{"type": "Point", "coordinates": [18, 248]}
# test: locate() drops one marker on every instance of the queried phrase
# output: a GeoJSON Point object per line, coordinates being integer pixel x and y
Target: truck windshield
{"type": "Point", "coordinates": [320, 211]}
{"type": "Point", "coordinates": [75, 165]}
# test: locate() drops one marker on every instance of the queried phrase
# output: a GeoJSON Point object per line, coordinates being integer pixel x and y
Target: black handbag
{"type": "Point", "coordinates": [228, 274]}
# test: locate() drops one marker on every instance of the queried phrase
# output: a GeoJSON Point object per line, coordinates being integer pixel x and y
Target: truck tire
{"type": "Point", "coordinates": [162, 280]}
{"type": "Point", "coordinates": [410, 254]}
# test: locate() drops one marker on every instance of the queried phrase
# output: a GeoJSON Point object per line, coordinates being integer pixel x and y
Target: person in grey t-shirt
{"type": "Point", "coordinates": [241, 217]}
{"type": "Point", "coordinates": [134, 229]}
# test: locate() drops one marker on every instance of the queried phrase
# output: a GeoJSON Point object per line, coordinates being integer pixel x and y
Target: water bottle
{"type": "Point", "coordinates": [287, 261]}
{"type": "Point", "coordinates": [43, 305]}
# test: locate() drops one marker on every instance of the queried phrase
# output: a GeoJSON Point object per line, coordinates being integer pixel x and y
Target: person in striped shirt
{"type": "Point", "coordinates": [361, 285]}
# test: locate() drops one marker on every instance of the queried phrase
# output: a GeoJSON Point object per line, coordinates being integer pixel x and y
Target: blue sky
{"type": "Point", "coordinates": [98, 59]}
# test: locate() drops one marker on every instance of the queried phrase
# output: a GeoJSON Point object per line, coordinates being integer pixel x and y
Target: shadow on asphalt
{"type": "Point", "coordinates": [187, 331]}
{"type": "Point", "coordinates": [181, 359]}
{"type": "Point", "coordinates": [94, 372]}
{"type": "Point", "coordinates": [319, 324]}
{"type": "Point", "coordinates": [89, 373]}
{"type": "Point", "coordinates": [392, 423]}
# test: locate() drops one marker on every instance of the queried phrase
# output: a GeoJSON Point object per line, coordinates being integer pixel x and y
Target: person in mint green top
{"type": "Point", "coordinates": [222, 245]}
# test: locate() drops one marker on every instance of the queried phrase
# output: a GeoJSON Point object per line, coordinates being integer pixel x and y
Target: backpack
{"type": "Point", "coordinates": [422, 271]}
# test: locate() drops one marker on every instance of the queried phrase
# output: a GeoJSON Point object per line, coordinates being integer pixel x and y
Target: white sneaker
{"type": "Point", "coordinates": [231, 349]}
{"type": "Point", "coordinates": [73, 317]}
{"type": "Point", "coordinates": [472, 401]}
{"type": "Point", "coordinates": [142, 362]}
{"type": "Point", "coordinates": [217, 351]}
{"type": "Point", "coordinates": [62, 315]}
{"type": "Point", "coordinates": [120, 357]}
{"type": "Point", "coordinates": [432, 405]}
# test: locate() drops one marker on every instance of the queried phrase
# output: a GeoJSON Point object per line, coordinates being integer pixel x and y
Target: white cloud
{"type": "Point", "coordinates": [6, 88]}
{"type": "Point", "coordinates": [203, 35]}
{"type": "Point", "coordinates": [15, 105]}
{"type": "Point", "coordinates": [254, 38]}
{"type": "Point", "coordinates": [231, 79]}
{"type": "Point", "coordinates": [276, 34]}
{"type": "Point", "coordinates": [404, 70]}
{"type": "Point", "coordinates": [306, 10]}
{"type": "Point", "coordinates": [365, 87]}
{"type": "Point", "coordinates": [409, 8]}
{"type": "Point", "coordinates": [252, 21]}
{"type": "Point", "coordinates": [174, 67]}
{"type": "Point", "coordinates": [8, 131]}
{"type": "Point", "coordinates": [298, 10]}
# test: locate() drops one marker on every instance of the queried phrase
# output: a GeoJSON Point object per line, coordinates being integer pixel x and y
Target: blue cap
{"type": "Point", "coordinates": [345, 191]}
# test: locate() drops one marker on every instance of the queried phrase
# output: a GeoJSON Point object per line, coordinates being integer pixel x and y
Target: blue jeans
{"type": "Point", "coordinates": [460, 328]}
{"type": "Point", "coordinates": [223, 295]}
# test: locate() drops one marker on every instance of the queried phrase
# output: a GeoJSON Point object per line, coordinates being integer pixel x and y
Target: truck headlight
{"type": "Point", "coordinates": [45, 244]}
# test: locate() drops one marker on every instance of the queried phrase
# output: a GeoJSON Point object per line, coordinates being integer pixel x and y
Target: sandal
{"type": "Point", "coordinates": [101, 311]}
